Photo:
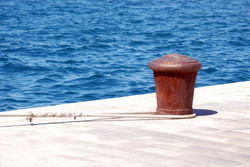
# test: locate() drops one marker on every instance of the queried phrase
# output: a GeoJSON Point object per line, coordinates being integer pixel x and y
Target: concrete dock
{"type": "Point", "coordinates": [218, 136]}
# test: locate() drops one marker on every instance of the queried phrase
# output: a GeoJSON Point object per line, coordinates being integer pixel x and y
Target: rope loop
{"type": "Point", "coordinates": [138, 115]}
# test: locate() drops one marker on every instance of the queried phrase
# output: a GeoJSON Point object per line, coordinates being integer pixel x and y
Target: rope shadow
{"type": "Point", "coordinates": [54, 123]}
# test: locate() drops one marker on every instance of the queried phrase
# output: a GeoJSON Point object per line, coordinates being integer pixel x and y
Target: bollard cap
{"type": "Point", "coordinates": [175, 63]}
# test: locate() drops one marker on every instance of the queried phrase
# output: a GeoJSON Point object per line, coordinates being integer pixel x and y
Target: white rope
{"type": "Point", "coordinates": [139, 115]}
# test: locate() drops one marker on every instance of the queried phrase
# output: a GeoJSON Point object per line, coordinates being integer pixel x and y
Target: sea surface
{"type": "Point", "coordinates": [64, 51]}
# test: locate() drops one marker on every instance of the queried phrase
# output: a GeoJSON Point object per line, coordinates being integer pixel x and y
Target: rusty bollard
{"type": "Point", "coordinates": [175, 76]}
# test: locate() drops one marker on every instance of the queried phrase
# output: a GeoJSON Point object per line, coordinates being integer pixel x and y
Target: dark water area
{"type": "Point", "coordinates": [64, 51]}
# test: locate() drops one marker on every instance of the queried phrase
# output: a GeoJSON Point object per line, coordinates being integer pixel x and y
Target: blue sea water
{"type": "Point", "coordinates": [64, 51]}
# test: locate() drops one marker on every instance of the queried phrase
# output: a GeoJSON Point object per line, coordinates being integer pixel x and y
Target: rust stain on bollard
{"type": "Point", "coordinates": [175, 77]}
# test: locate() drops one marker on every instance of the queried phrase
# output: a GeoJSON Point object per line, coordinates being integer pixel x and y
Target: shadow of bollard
{"type": "Point", "coordinates": [204, 112]}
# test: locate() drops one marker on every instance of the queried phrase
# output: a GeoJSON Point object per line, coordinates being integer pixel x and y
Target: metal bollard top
{"type": "Point", "coordinates": [175, 63]}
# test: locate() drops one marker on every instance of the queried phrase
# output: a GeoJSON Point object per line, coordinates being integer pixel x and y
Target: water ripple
{"type": "Point", "coordinates": [63, 51]}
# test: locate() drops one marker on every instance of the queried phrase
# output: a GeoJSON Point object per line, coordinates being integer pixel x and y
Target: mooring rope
{"type": "Point", "coordinates": [139, 115]}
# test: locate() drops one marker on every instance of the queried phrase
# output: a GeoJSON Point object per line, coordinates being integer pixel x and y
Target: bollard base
{"type": "Point", "coordinates": [160, 111]}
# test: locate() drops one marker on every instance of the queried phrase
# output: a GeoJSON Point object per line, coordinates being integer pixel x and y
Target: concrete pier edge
{"type": "Point", "coordinates": [218, 136]}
